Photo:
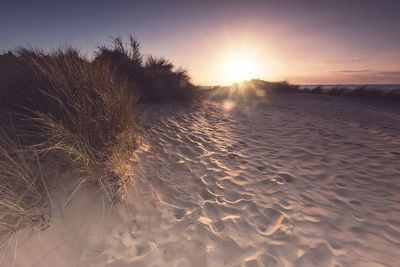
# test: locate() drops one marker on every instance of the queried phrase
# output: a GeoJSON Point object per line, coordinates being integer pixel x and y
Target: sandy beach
{"type": "Point", "coordinates": [290, 180]}
{"type": "Point", "coordinates": [200, 133]}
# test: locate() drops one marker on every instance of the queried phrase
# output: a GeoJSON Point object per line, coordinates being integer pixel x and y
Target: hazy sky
{"type": "Point", "coordinates": [341, 41]}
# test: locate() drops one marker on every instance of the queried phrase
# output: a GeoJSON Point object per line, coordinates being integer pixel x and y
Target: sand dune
{"type": "Point", "coordinates": [295, 180]}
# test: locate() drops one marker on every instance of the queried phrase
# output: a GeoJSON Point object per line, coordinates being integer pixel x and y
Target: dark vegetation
{"type": "Point", "coordinates": [359, 92]}
{"type": "Point", "coordinates": [157, 79]}
{"type": "Point", "coordinates": [59, 105]}
{"type": "Point", "coordinates": [256, 88]}
{"type": "Point", "coordinates": [253, 89]}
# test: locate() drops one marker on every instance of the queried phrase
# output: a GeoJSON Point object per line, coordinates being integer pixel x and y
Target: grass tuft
{"type": "Point", "coordinates": [23, 188]}
{"type": "Point", "coordinates": [65, 107]}
{"type": "Point", "coordinates": [157, 79]}
{"type": "Point", "coordinates": [67, 104]}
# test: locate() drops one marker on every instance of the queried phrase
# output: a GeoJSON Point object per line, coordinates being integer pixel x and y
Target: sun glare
{"type": "Point", "coordinates": [239, 67]}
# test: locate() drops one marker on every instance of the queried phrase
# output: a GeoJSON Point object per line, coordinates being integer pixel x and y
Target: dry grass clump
{"type": "Point", "coordinates": [23, 189]}
{"type": "Point", "coordinates": [63, 103]}
{"type": "Point", "coordinates": [157, 79]}
{"type": "Point", "coordinates": [62, 106]}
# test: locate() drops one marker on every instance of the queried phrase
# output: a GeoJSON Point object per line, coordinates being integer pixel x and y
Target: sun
{"type": "Point", "coordinates": [239, 67]}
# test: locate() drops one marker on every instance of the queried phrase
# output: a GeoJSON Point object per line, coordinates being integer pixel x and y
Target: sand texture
{"type": "Point", "coordinates": [295, 180]}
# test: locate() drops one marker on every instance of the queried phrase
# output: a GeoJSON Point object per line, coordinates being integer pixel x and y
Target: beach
{"type": "Point", "coordinates": [287, 180]}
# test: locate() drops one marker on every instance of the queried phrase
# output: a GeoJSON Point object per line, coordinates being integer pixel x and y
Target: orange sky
{"type": "Point", "coordinates": [278, 54]}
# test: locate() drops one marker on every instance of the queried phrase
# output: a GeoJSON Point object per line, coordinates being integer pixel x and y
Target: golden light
{"type": "Point", "coordinates": [239, 67]}
{"type": "Point", "coordinates": [228, 104]}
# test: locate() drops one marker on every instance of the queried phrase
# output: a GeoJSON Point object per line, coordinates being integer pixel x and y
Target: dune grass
{"type": "Point", "coordinates": [157, 79]}
{"type": "Point", "coordinates": [23, 188]}
{"type": "Point", "coordinates": [60, 106]}
{"type": "Point", "coordinates": [60, 102]}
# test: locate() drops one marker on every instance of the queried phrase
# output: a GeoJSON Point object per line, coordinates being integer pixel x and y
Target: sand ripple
{"type": "Point", "coordinates": [293, 181]}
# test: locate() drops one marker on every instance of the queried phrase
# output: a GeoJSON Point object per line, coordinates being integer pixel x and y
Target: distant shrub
{"type": "Point", "coordinates": [358, 92]}
{"type": "Point", "coordinates": [252, 89]}
{"type": "Point", "coordinates": [339, 91]}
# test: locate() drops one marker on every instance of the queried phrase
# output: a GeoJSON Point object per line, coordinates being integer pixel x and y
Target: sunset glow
{"type": "Point", "coordinates": [200, 133]}
{"type": "Point", "coordinates": [306, 43]}
{"type": "Point", "coordinates": [239, 67]}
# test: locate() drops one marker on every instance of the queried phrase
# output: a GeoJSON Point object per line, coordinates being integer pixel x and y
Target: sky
{"type": "Point", "coordinates": [303, 41]}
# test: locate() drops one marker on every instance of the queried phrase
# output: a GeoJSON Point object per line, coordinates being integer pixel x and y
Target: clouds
{"type": "Point", "coordinates": [380, 68]}
{"type": "Point", "coordinates": [394, 73]}
{"type": "Point", "coordinates": [365, 76]}
{"type": "Point", "coordinates": [390, 73]}
{"type": "Point", "coordinates": [315, 40]}
{"type": "Point", "coordinates": [350, 71]}
{"type": "Point", "coordinates": [343, 61]}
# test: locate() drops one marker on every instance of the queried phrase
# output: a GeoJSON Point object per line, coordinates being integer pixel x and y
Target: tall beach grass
{"type": "Point", "coordinates": [59, 105]}
{"type": "Point", "coordinates": [156, 78]}
{"type": "Point", "coordinates": [23, 188]}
